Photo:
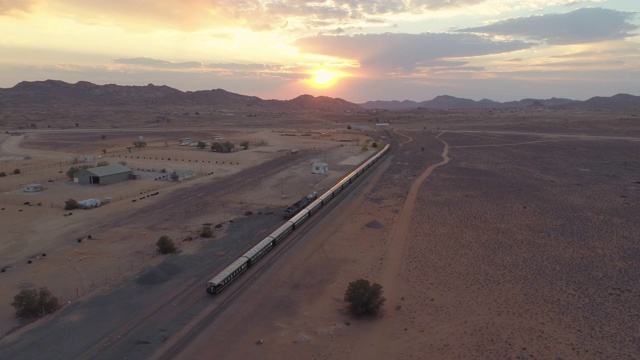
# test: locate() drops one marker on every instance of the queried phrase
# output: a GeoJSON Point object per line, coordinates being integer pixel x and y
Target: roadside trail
{"type": "Point", "coordinates": [372, 347]}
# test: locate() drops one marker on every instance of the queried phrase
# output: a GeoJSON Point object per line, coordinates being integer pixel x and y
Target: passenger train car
{"type": "Point", "coordinates": [235, 269]}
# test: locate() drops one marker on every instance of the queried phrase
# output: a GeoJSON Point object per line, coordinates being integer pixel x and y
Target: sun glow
{"type": "Point", "coordinates": [323, 78]}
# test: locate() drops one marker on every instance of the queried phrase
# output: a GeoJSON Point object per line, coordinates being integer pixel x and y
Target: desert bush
{"type": "Point", "coordinates": [244, 145]}
{"type": "Point", "coordinates": [216, 146]}
{"type": "Point", "coordinates": [139, 143]}
{"type": "Point", "coordinates": [71, 204]}
{"type": "Point", "coordinates": [16, 171]}
{"type": "Point", "coordinates": [166, 245]}
{"type": "Point", "coordinates": [31, 303]}
{"type": "Point", "coordinates": [2, 174]}
{"type": "Point", "coordinates": [74, 169]}
{"type": "Point", "coordinates": [364, 298]}
{"type": "Point", "coordinates": [102, 163]}
{"type": "Point", "coordinates": [206, 232]}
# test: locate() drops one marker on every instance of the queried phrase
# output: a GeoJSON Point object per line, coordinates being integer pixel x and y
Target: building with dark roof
{"type": "Point", "coordinates": [103, 175]}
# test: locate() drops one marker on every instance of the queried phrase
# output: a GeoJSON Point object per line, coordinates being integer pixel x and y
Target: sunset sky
{"type": "Point", "coordinates": [356, 50]}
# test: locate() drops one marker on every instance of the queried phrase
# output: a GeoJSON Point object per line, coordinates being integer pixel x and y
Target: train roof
{"type": "Point", "coordinates": [259, 246]}
{"type": "Point", "coordinates": [228, 270]}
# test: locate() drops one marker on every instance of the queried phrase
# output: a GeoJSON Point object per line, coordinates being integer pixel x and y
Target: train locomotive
{"type": "Point", "coordinates": [295, 218]}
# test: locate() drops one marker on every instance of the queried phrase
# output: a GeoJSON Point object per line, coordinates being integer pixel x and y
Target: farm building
{"type": "Point", "coordinates": [32, 188]}
{"type": "Point", "coordinates": [103, 175]}
{"type": "Point", "coordinates": [319, 168]}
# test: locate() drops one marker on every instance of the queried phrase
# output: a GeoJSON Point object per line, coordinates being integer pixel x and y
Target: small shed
{"type": "Point", "coordinates": [319, 168]}
{"type": "Point", "coordinates": [103, 175]}
{"type": "Point", "coordinates": [32, 188]}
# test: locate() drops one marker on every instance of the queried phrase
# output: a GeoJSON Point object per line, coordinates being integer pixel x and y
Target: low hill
{"type": "Point", "coordinates": [451, 102]}
{"type": "Point", "coordinates": [60, 93]}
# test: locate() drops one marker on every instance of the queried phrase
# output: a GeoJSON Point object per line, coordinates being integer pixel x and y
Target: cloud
{"type": "Point", "coordinates": [257, 15]}
{"type": "Point", "coordinates": [391, 52]}
{"type": "Point", "coordinates": [160, 64]}
{"type": "Point", "coordinates": [580, 26]}
{"type": "Point", "coordinates": [11, 6]}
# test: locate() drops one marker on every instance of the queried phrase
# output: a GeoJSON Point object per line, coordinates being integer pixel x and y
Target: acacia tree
{"type": "Point", "coordinates": [31, 303]}
{"type": "Point", "coordinates": [364, 298]}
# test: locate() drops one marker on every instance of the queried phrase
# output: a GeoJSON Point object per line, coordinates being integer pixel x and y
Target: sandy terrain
{"type": "Point", "coordinates": [520, 246]}
{"type": "Point", "coordinates": [495, 235]}
{"type": "Point", "coordinates": [37, 230]}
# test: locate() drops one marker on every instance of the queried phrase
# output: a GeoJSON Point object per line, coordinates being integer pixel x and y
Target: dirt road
{"type": "Point", "coordinates": [373, 345]}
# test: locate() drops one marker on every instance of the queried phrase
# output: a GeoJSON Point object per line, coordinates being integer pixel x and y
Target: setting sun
{"type": "Point", "coordinates": [323, 78]}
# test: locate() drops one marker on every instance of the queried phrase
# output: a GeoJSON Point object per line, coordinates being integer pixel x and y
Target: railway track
{"type": "Point", "coordinates": [238, 287]}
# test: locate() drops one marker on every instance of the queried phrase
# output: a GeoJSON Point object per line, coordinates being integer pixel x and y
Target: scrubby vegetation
{"type": "Point", "coordinates": [71, 204]}
{"type": "Point", "coordinates": [166, 245]}
{"type": "Point", "coordinates": [364, 298]}
{"type": "Point", "coordinates": [206, 232]}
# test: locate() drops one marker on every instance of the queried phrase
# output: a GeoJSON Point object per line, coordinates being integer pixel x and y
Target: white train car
{"type": "Point", "coordinates": [227, 275]}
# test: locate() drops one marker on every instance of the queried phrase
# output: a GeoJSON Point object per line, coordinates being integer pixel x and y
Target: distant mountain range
{"type": "Point", "coordinates": [450, 102]}
{"type": "Point", "coordinates": [55, 92]}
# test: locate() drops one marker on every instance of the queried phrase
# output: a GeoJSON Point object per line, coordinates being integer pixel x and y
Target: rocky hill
{"type": "Point", "coordinates": [60, 93]}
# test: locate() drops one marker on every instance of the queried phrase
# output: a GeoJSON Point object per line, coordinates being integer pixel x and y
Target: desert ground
{"type": "Point", "coordinates": [495, 234]}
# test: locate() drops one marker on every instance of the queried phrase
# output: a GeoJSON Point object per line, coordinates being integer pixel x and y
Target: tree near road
{"type": "Point", "coordinates": [165, 245]}
{"type": "Point", "coordinates": [364, 298]}
{"type": "Point", "coordinates": [31, 303]}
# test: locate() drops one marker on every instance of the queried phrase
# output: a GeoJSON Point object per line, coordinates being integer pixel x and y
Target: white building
{"type": "Point", "coordinates": [319, 168]}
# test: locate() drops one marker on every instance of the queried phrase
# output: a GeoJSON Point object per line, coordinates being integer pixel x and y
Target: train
{"type": "Point", "coordinates": [299, 205]}
{"type": "Point", "coordinates": [222, 279]}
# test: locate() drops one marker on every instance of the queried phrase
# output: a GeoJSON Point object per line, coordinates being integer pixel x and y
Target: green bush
{"type": "Point", "coordinates": [206, 232]}
{"type": "Point", "coordinates": [71, 204]}
{"type": "Point", "coordinates": [166, 245]}
{"type": "Point", "coordinates": [364, 298]}
{"type": "Point", "coordinates": [2, 174]}
{"type": "Point", "coordinates": [31, 303]}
